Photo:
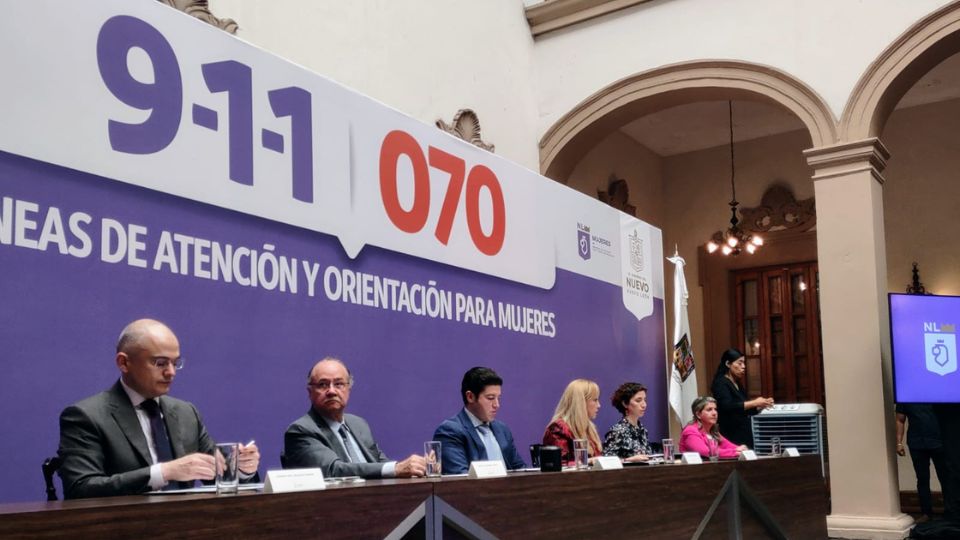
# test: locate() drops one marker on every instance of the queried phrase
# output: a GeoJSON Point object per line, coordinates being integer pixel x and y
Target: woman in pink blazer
{"type": "Point", "coordinates": [702, 434]}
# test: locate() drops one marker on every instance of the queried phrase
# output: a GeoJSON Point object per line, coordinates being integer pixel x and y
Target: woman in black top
{"type": "Point", "coordinates": [627, 439]}
{"type": "Point", "coordinates": [733, 406]}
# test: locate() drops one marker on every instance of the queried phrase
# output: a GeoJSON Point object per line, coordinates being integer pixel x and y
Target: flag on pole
{"type": "Point", "coordinates": [683, 376]}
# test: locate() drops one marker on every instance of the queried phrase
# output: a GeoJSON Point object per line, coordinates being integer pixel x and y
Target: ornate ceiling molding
{"type": "Point", "coordinates": [551, 15]}
{"type": "Point", "coordinates": [201, 10]}
{"type": "Point", "coordinates": [779, 210]}
{"type": "Point", "coordinates": [465, 125]}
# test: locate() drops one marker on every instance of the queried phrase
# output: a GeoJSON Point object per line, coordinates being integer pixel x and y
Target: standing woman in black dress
{"type": "Point", "coordinates": [733, 406]}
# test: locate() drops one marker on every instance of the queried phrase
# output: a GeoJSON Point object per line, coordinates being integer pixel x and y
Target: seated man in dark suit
{"type": "Point", "coordinates": [473, 434]}
{"type": "Point", "coordinates": [340, 444]}
{"type": "Point", "coordinates": [133, 438]}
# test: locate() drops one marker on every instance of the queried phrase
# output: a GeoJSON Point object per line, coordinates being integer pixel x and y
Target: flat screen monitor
{"type": "Point", "coordinates": [923, 334]}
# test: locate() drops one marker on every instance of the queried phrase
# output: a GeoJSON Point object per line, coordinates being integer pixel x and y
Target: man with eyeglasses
{"type": "Point", "coordinates": [133, 438]}
{"type": "Point", "coordinates": [340, 444]}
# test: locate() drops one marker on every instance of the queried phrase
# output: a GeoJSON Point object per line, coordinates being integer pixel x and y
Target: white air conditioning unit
{"type": "Point", "coordinates": [797, 425]}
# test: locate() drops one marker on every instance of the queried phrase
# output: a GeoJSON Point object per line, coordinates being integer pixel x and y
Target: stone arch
{"type": "Point", "coordinates": [676, 84]}
{"type": "Point", "coordinates": [921, 47]}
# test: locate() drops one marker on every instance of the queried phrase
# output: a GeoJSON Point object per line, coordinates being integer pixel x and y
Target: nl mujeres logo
{"type": "Point", "coordinates": [583, 241]}
{"type": "Point", "coordinates": [940, 347]}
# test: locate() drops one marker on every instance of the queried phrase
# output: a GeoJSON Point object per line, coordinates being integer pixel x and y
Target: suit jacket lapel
{"type": "Point", "coordinates": [126, 418]}
{"type": "Point", "coordinates": [474, 436]}
{"type": "Point", "coordinates": [172, 421]}
{"type": "Point", "coordinates": [328, 435]}
{"type": "Point", "coordinates": [360, 443]}
{"type": "Point", "coordinates": [498, 435]}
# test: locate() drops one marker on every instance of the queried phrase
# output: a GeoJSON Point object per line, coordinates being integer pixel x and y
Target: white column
{"type": "Point", "coordinates": [851, 255]}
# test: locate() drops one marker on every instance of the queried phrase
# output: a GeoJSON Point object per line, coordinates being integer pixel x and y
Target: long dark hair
{"type": "Point", "coordinates": [728, 355]}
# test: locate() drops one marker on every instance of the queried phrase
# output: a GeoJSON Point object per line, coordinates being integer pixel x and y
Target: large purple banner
{"type": "Point", "coordinates": [248, 343]}
{"type": "Point", "coordinates": [154, 166]}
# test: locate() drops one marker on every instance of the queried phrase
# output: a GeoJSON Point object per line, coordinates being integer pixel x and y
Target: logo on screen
{"type": "Point", "coordinates": [940, 345]}
{"type": "Point", "coordinates": [583, 241]}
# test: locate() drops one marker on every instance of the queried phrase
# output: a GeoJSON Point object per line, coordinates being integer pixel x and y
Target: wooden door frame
{"type": "Point", "coordinates": [814, 355]}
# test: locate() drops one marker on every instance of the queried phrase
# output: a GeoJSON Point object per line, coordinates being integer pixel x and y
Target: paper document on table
{"type": "Point", "coordinates": [204, 489]}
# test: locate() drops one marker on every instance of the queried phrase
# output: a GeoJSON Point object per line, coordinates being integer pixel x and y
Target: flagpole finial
{"type": "Point", "coordinates": [676, 258]}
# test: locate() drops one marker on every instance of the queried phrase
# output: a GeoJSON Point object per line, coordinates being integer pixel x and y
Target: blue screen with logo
{"type": "Point", "coordinates": [923, 333]}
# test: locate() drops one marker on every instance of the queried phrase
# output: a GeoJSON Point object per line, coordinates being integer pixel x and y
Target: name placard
{"type": "Point", "coordinates": [791, 452]}
{"type": "Point", "coordinates": [691, 458]}
{"type": "Point", "coordinates": [607, 463]}
{"type": "Point", "coordinates": [748, 455]}
{"type": "Point", "coordinates": [487, 469]}
{"type": "Point", "coordinates": [291, 480]}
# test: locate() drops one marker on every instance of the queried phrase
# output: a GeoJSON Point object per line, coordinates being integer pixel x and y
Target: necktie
{"type": "Point", "coordinates": [490, 442]}
{"type": "Point", "coordinates": [351, 453]}
{"type": "Point", "coordinates": [161, 441]}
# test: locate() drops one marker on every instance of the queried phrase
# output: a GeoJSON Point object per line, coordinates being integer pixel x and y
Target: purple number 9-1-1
{"type": "Point", "coordinates": [163, 97]}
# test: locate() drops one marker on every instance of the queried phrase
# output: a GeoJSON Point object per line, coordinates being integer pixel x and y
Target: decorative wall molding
{"type": "Point", "coordinates": [201, 10]}
{"type": "Point", "coordinates": [867, 155]}
{"type": "Point", "coordinates": [617, 195]}
{"type": "Point", "coordinates": [564, 143]}
{"type": "Point", "coordinates": [925, 44]}
{"type": "Point", "coordinates": [465, 125]}
{"type": "Point", "coordinates": [552, 15]}
{"type": "Point", "coordinates": [779, 210]}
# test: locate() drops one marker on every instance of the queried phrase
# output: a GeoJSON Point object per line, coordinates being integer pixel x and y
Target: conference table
{"type": "Point", "coordinates": [766, 498]}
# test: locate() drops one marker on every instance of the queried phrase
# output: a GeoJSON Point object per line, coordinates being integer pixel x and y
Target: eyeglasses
{"type": "Point", "coordinates": [338, 384]}
{"type": "Point", "coordinates": [161, 362]}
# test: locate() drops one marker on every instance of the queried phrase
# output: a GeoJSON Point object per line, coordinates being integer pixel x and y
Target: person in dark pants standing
{"type": "Point", "coordinates": [924, 441]}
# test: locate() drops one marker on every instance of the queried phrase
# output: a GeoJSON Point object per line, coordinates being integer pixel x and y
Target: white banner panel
{"type": "Point", "coordinates": [186, 112]}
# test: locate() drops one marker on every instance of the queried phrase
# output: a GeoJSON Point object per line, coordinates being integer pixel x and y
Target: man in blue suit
{"type": "Point", "coordinates": [473, 434]}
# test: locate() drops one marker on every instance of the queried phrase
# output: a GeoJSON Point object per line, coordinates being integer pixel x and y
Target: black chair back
{"type": "Point", "coordinates": [51, 466]}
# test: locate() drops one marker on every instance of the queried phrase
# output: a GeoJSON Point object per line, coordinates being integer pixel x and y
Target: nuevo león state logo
{"type": "Point", "coordinates": [636, 252]}
{"type": "Point", "coordinates": [940, 347]}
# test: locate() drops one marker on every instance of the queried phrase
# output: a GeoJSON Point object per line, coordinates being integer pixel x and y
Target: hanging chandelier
{"type": "Point", "coordinates": [734, 240]}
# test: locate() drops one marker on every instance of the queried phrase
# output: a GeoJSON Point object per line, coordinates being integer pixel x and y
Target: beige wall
{"type": "Point", "coordinates": [827, 44]}
{"type": "Point", "coordinates": [426, 59]}
{"type": "Point", "coordinates": [920, 204]}
{"type": "Point", "coordinates": [920, 197]}
{"type": "Point", "coordinates": [642, 169]}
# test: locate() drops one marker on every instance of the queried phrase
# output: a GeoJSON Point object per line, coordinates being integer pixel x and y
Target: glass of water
{"type": "Point", "coordinates": [431, 453]}
{"type": "Point", "coordinates": [581, 456]}
{"type": "Point", "coordinates": [228, 477]}
{"type": "Point", "coordinates": [668, 449]}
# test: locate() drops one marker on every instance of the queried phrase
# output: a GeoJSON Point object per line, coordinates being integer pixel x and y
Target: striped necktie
{"type": "Point", "coordinates": [351, 453]}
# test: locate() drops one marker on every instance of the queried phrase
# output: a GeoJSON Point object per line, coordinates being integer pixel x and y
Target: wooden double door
{"type": "Point", "coordinates": [778, 329]}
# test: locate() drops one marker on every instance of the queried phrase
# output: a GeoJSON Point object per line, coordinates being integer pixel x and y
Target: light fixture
{"type": "Point", "coordinates": [734, 240]}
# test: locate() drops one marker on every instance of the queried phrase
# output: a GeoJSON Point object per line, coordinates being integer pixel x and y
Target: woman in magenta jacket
{"type": "Point", "coordinates": [702, 433]}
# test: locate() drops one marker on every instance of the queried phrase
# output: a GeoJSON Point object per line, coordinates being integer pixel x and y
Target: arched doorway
{"type": "Point", "coordinates": [668, 86]}
{"type": "Point", "coordinates": [778, 117]}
